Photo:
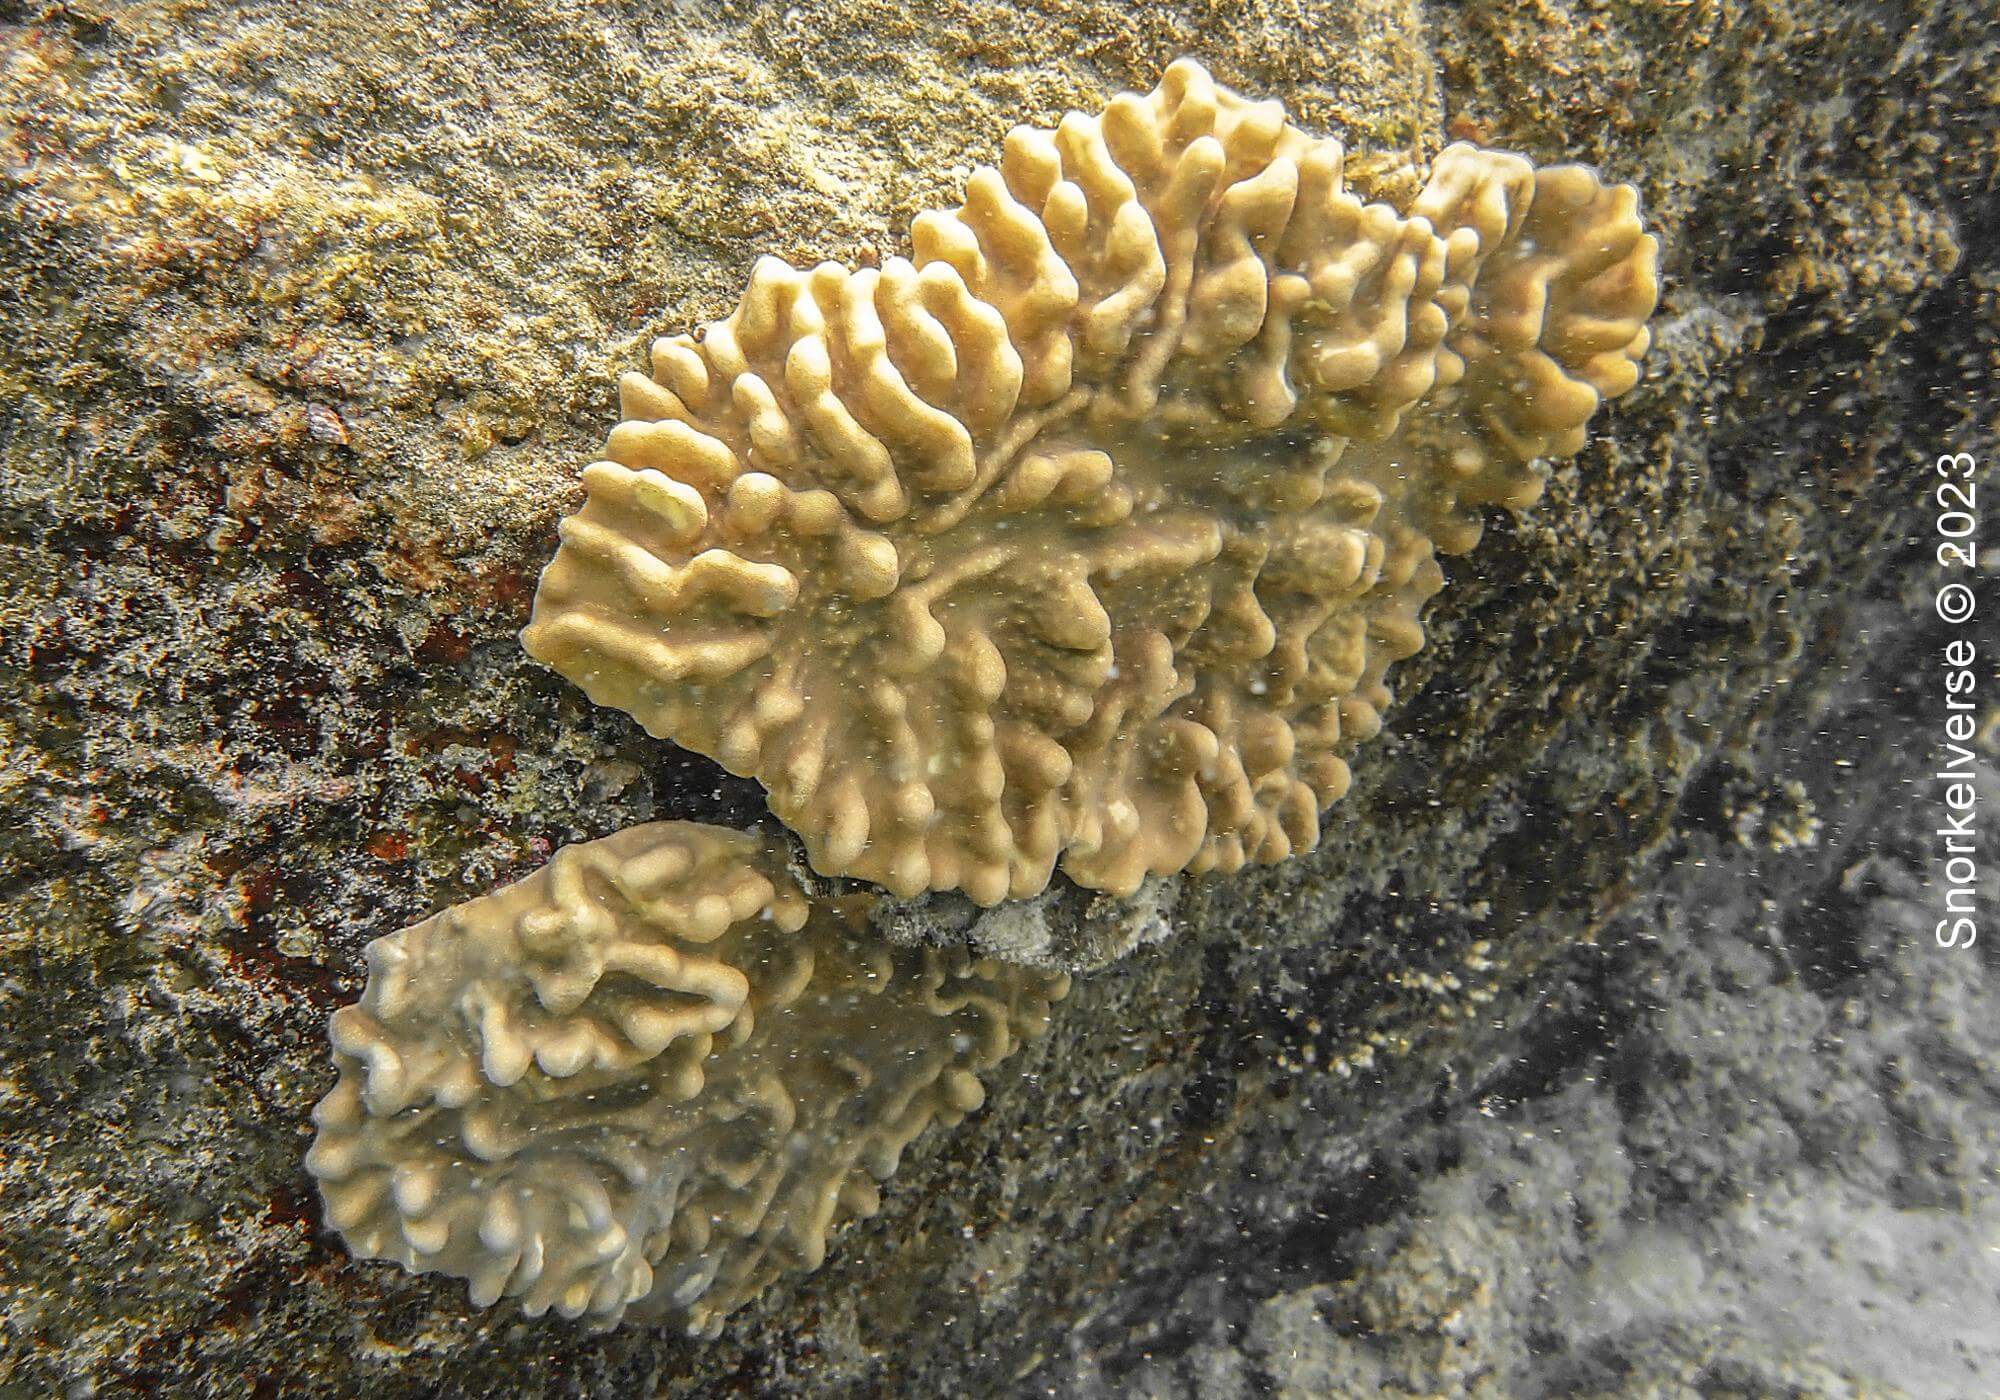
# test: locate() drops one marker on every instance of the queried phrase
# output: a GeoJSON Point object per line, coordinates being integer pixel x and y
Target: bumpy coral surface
{"type": "Point", "coordinates": [1090, 532]}
{"type": "Point", "coordinates": [650, 1072]}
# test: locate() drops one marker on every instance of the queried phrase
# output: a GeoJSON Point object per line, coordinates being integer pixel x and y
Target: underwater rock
{"type": "Point", "coordinates": [267, 700]}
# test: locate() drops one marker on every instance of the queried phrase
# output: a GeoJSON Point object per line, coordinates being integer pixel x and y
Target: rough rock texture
{"type": "Point", "coordinates": [312, 312]}
{"type": "Point", "coordinates": [1752, 1150]}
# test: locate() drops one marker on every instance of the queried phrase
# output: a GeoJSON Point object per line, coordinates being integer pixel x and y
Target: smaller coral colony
{"type": "Point", "coordinates": [1083, 537]}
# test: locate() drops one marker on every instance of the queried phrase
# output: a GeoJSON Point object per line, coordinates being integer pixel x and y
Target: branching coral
{"type": "Point", "coordinates": [1090, 532]}
{"type": "Point", "coordinates": [651, 1071]}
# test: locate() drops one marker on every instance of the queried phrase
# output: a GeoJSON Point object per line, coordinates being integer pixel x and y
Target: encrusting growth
{"type": "Point", "coordinates": [651, 1073]}
{"type": "Point", "coordinates": [1088, 532]}
{"type": "Point", "coordinates": [1085, 535]}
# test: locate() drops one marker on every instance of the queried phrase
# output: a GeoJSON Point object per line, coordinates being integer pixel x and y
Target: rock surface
{"type": "Point", "coordinates": [314, 315]}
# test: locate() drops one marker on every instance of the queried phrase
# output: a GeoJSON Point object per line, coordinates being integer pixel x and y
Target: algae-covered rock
{"type": "Point", "coordinates": [314, 315]}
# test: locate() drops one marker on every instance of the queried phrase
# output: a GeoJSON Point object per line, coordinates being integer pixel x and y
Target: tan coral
{"type": "Point", "coordinates": [649, 1073]}
{"type": "Point", "coordinates": [1090, 533]}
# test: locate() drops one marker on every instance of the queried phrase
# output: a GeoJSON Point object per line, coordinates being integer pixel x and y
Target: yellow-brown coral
{"type": "Point", "coordinates": [649, 1072]}
{"type": "Point", "coordinates": [1090, 532]}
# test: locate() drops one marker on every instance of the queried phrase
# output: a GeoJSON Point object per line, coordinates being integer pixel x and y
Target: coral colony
{"type": "Point", "coordinates": [1083, 537]}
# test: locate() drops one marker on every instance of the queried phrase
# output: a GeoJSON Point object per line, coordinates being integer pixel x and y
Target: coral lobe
{"type": "Point", "coordinates": [1089, 533]}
